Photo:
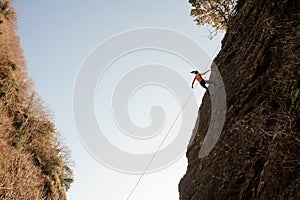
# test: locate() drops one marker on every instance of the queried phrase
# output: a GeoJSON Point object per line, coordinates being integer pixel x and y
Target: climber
{"type": "Point", "coordinates": [201, 80]}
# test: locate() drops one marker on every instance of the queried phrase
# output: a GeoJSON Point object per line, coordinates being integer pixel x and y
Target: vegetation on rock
{"type": "Point", "coordinates": [216, 13]}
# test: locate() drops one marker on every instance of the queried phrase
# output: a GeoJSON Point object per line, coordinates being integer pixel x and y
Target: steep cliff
{"type": "Point", "coordinates": [258, 153]}
{"type": "Point", "coordinates": [34, 164]}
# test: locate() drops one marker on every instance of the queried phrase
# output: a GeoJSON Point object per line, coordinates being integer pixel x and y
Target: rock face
{"type": "Point", "coordinates": [258, 153]}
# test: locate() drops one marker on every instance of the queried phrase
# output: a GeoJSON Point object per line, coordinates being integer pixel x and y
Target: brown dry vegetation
{"type": "Point", "coordinates": [34, 164]}
{"type": "Point", "coordinates": [258, 153]}
{"type": "Point", "coordinates": [212, 12]}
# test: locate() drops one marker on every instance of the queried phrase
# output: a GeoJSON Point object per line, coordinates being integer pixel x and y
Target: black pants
{"type": "Point", "coordinates": [203, 82]}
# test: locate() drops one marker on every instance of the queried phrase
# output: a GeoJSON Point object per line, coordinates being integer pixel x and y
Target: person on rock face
{"type": "Point", "coordinates": [202, 82]}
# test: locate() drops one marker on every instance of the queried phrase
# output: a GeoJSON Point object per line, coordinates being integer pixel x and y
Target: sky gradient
{"type": "Point", "coordinates": [57, 36]}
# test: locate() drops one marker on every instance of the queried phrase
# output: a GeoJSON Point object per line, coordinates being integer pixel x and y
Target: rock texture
{"type": "Point", "coordinates": [258, 153]}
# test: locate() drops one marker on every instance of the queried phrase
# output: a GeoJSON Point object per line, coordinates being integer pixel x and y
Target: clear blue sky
{"type": "Point", "coordinates": [57, 36]}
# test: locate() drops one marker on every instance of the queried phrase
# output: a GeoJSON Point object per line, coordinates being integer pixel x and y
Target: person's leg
{"type": "Point", "coordinates": [202, 83]}
{"type": "Point", "coordinates": [207, 90]}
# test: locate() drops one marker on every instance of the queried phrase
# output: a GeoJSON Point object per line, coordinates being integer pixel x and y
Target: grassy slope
{"type": "Point", "coordinates": [33, 162]}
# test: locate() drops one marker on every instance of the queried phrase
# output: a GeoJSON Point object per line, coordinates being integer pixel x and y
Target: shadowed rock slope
{"type": "Point", "coordinates": [258, 153]}
{"type": "Point", "coordinates": [34, 164]}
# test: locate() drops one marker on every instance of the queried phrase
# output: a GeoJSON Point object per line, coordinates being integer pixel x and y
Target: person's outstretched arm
{"type": "Point", "coordinates": [193, 82]}
{"type": "Point", "coordinates": [205, 72]}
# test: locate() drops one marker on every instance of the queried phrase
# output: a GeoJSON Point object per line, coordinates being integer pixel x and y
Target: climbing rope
{"type": "Point", "coordinates": [164, 139]}
{"type": "Point", "coordinates": [157, 150]}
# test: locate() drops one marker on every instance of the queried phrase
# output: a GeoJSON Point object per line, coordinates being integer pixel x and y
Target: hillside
{"type": "Point", "coordinates": [34, 164]}
{"type": "Point", "coordinates": [258, 153]}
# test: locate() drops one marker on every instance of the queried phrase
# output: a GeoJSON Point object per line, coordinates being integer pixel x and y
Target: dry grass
{"type": "Point", "coordinates": [34, 164]}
